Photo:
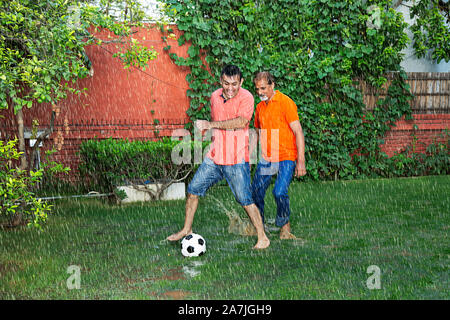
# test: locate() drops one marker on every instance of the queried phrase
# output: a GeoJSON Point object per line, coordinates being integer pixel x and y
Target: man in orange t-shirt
{"type": "Point", "coordinates": [282, 146]}
{"type": "Point", "coordinates": [231, 111]}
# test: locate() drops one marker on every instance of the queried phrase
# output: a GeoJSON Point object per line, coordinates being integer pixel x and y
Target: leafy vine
{"type": "Point", "coordinates": [320, 52]}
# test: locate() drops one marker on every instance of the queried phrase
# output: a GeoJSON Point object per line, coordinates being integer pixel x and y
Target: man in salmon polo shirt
{"type": "Point", "coordinates": [283, 149]}
{"type": "Point", "coordinates": [231, 111]}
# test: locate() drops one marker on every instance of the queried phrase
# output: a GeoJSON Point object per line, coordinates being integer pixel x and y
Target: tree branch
{"type": "Point", "coordinates": [44, 135]}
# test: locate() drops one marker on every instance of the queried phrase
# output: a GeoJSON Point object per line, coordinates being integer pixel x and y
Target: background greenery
{"type": "Point", "coordinates": [16, 199]}
{"type": "Point", "coordinates": [106, 164]}
{"type": "Point", "coordinates": [399, 225]}
{"type": "Point", "coordinates": [319, 51]}
{"type": "Point", "coordinates": [41, 55]}
{"type": "Point", "coordinates": [42, 51]}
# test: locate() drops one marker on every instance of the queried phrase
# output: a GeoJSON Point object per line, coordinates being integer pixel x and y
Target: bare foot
{"type": "Point", "coordinates": [262, 243]}
{"type": "Point", "coordinates": [179, 235]}
{"type": "Point", "coordinates": [287, 236]}
{"type": "Point", "coordinates": [285, 232]}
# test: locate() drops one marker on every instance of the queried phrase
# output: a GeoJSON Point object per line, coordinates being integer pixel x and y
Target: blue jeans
{"type": "Point", "coordinates": [261, 181]}
{"type": "Point", "coordinates": [237, 176]}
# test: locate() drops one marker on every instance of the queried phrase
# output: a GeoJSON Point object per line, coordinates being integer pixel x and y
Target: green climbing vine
{"type": "Point", "coordinates": [319, 51]}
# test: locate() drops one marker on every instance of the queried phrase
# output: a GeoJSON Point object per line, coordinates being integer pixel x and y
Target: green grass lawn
{"type": "Point", "coordinates": [399, 225]}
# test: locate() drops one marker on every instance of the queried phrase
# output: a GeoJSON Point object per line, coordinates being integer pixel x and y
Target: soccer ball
{"type": "Point", "coordinates": [193, 245]}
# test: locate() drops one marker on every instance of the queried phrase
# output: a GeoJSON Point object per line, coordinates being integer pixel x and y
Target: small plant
{"type": "Point", "coordinates": [409, 163]}
{"type": "Point", "coordinates": [120, 194]}
{"type": "Point", "coordinates": [18, 204]}
{"type": "Point", "coordinates": [437, 160]}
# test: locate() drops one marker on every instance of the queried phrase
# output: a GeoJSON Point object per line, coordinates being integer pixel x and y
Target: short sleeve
{"type": "Point", "coordinates": [246, 106]}
{"type": "Point", "coordinates": [213, 101]}
{"type": "Point", "coordinates": [256, 122]}
{"type": "Point", "coordinates": [291, 112]}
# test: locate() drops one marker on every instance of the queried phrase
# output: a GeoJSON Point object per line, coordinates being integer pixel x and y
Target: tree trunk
{"type": "Point", "coordinates": [20, 126]}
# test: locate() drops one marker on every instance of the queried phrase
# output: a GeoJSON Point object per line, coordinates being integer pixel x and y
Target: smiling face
{"type": "Point", "coordinates": [230, 85]}
{"type": "Point", "coordinates": [264, 90]}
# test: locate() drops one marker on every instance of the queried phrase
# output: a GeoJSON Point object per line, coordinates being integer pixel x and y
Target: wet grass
{"type": "Point", "coordinates": [399, 225]}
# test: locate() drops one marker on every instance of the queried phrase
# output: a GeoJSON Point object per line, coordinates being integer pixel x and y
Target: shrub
{"type": "Point", "coordinates": [106, 164]}
{"type": "Point", "coordinates": [437, 160]}
{"type": "Point", "coordinates": [407, 163]}
{"type": "Point", "coordinates": [17, 202]}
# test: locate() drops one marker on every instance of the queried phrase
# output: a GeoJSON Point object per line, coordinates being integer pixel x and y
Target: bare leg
{"type": "Point", "coordinates": [191, 208]}
{"type": "Point", "coordinates": [255, 217]}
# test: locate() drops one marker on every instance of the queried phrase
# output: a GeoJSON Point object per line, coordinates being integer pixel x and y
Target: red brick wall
{"type": "Point", "coordinates": [119, 103]}
{"type": "Point", "coordinates": [420, 132]}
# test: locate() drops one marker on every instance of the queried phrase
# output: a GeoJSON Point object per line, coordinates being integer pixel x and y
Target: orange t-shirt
{"type": "Point", "coordinates": [230, 147]}
{"type": "Point", "coordinates": [276, 136]}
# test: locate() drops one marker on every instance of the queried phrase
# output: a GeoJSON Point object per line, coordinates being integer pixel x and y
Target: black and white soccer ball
{"type": "Point", "coordinates": [193, 245]}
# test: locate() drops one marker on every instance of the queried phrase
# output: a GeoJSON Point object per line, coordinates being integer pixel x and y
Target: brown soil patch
{"type": "Point", "coordinates": [172, 275]}
{"type": "Point", "coordinates": [176, 294]}
{"type": "Point", "coordinates": [8, 266]}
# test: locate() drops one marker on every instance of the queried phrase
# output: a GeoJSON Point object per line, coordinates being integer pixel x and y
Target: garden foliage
{"type": "Point", "coordinates": [42, 50]}
{"type": "Point", "coordinates": [319, 52]}
{"type": "Point", "coordinates": [17, 201]}
{"type": "Point", "coordinates": [431, 29]}
{"type": "Point", "coordinates": [106, 164]}
{"type": "Point", "coordinates": [407, 163]}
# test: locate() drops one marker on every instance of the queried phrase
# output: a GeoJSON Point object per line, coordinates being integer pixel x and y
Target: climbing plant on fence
{"type": "Point", "coordinates": [318, 51]}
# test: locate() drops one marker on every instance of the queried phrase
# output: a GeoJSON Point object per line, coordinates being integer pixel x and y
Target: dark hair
{"type": "Point", "coordinates": [231, 70]}
{"type": "Point", "coordinates": [264, 75]}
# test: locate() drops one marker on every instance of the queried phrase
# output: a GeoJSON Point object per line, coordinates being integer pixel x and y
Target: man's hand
{"type": "Point", "coordinates": [300, 168]}
{"type": "Point", "coordinates": [203, 125]}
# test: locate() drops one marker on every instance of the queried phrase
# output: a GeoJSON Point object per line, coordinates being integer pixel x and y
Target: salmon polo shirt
{"type": "Point", "coordinates": [276, 136]}
{"type": "Point", "coordinates": [230, 147]}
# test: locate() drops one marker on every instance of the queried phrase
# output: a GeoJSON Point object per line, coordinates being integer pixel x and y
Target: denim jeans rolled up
{"type": "Point", "coordinates": [237, 177]}
{"type": "Point", "coordinates": [261, 181]}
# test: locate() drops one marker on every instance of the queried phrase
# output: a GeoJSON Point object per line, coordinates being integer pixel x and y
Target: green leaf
{"type": "Point", "coordinates": [193, 51]}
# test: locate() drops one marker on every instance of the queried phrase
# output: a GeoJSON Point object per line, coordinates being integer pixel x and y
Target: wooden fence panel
{"type": "Point", "coordinates": [431, 92]}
